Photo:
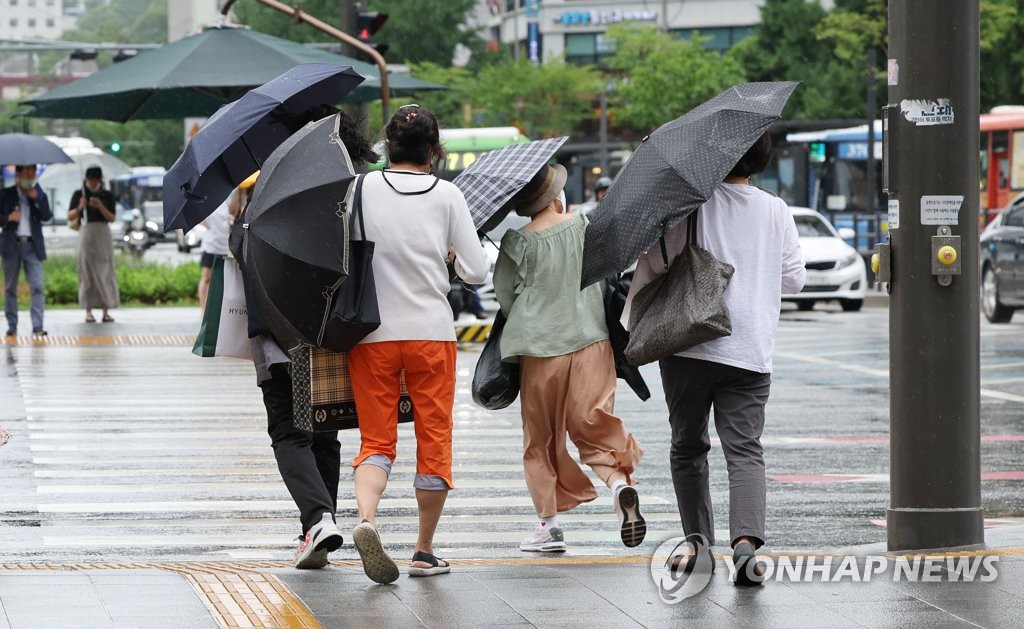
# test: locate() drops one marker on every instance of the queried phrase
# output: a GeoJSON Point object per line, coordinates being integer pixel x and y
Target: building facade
{"type": "Point", "coordinates": [542, 30]}
{"type": "Point", "coordinates": [188, 17]}
{"type": "Point", "coordinates": [31, 19]}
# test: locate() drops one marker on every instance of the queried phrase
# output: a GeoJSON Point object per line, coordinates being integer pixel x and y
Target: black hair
{"type": "Point", "coordinates": [356, 144]}
{"type": "Point", "coordinates": [756, 158]}
{"type": "Point", "coordinates": [23, 167]}
{"type": "Point", "coordinates": [413, 136]}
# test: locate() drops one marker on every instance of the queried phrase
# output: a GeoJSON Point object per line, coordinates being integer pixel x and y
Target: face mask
{"type": "Point", "coordinates": [27, 184]}
{"type": "Point", "coordinates": [93, 187]}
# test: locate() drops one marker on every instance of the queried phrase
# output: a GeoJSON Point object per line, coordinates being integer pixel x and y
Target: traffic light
{"type": "Point", "coordinates": [367, 24]}
{"type": "Point", "coordinates": [115, 147]}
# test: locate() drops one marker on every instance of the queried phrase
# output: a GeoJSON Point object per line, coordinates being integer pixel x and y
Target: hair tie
{"type": "Point", "coordinates": [409, 116]}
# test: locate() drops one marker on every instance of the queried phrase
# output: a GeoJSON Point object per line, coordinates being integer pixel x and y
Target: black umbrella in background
{"type": "Point", "coordinates": [675, 170]}
{"type": "Point", "coordinates": [21, 149]}
{"type": "Point", "coordinates": [237, 139]}
{"type": "Point", "coordinates": [296, 236]}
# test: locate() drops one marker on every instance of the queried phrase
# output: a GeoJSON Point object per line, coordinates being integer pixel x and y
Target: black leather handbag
{"type": "Point", "coordinates": [354, 314]}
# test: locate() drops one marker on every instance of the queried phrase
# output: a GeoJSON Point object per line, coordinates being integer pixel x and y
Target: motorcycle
{"type": "Point", "coordinates": [139, 233]}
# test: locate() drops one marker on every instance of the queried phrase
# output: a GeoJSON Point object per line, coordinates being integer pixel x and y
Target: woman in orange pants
{"type": "Point", "coordinates": [416, 221]}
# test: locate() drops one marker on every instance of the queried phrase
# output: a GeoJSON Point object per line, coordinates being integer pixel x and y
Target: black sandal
{"type": "Point", "coordinates": [435, 568]}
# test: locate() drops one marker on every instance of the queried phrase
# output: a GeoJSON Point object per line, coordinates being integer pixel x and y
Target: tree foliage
{"type": "Point", "coordinates": [415, 32]}
{"type": "Point", "coordinates": [662, 77]}
{"type": "Point", "coordinates": [543, 101]}
{"type": "Point", "coordinates": [122, 21]}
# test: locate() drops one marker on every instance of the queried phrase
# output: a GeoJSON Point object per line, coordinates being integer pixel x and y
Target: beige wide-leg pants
{"type": "Point", "coordinates": [572, 394]}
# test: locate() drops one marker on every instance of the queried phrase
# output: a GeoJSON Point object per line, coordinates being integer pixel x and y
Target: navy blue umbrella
{"type": "Point", "coordinates": [21, 148]}
{"type": "Point", "coordinates": [240, 136]}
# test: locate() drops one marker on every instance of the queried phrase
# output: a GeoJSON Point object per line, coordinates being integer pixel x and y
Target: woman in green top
{"type": "Point", "coordinates": [559, 336]}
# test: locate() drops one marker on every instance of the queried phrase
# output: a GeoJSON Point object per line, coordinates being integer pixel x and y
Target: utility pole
{"type": "Point", "coordinates": [871, 182]}
{"type": "Point", "coordinates": [931, 147]}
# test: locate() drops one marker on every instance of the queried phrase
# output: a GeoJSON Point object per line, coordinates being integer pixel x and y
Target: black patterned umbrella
{"type": "Point", "coordinates": [491, 181]}
{"type": "Point", "coordinates": [675, 170]}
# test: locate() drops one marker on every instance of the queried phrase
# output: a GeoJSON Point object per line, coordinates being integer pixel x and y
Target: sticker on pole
{"type": "Point", "coordinates": [941, 209]}
{"type": "Point", "coordinates": [894, 214]}
{"type": "Point", "coordinates": [924, 113]}
{"type": "Point", "coordinates": [894, 72]}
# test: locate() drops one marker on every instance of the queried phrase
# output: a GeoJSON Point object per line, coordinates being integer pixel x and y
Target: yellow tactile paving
{"type": "Point", "coordinates": [239, 594]}
{"type": "Point", "coordinates": [69, 340]}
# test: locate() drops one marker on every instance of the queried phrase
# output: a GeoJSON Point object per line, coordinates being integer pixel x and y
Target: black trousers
{"type": "Point", "coordinates": [692, 388]}
{"type": "Point", "coordinates": [310, 463]}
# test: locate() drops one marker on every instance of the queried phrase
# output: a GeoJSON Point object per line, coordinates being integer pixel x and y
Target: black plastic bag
{"type": "Point", "coordinates": [495, 383]}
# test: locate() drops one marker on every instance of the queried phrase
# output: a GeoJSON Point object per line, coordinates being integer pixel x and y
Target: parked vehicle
{"type": "Point", "coordinates": [835, 271]}
{"type": "Point", "coordinates": [1002, 263]}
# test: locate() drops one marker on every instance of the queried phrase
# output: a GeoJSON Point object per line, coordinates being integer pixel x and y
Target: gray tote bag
{"type": "Point", "coordinates": [681, 308]}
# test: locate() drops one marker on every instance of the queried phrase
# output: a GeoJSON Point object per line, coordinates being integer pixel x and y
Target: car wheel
{"type": "Point", "coordinates": [805, 305]}
{"type": "Point", "coordinates": [851, 305]}
{"type": "Point", "coordinates": [994, 311]}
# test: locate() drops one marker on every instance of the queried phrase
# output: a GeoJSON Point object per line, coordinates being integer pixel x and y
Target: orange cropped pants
{"type": "Point", "coordinates": [375, 369]}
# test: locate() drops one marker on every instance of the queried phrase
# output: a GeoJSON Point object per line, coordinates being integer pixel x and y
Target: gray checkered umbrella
{"type": "Point", "coordinates": [491, 181]}
{"type": "Point", "coordinates": [674, 171]}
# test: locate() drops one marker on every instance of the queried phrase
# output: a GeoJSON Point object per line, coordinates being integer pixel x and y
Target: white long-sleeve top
{"type": "Point", "coordinates": [755, 232]}
{"type": "Point", "coordinates": [412, 234]}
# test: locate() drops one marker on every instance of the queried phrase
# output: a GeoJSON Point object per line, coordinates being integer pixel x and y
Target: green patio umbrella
{"type": "Point", "coordinates": [196, 75]}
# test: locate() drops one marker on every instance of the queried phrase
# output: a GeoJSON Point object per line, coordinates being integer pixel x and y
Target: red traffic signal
{"type": "Point", "coordinates": [368, 23]}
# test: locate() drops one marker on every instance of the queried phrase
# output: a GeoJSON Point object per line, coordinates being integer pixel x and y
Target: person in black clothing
{"type": "Point", "coordinates": [309, 463]}
{"type": "Point", "coordinates": [97, 278]}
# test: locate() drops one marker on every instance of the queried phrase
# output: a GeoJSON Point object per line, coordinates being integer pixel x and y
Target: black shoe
{"type": "Point", "coordinates": [677, 565]}
{"type": "Point", "coordinates": [39, 332]}
{"type": "Point", "coordinates": [12, 332]}
{"type": "Point", "coordinates": [748, 570]}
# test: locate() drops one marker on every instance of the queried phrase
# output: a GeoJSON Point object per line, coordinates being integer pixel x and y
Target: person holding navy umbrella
{"type": "Point", "coordinates": [24, 208]}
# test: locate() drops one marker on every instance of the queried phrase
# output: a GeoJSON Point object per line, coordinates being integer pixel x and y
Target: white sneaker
{"type": "Point", "coordinates": [544, 540]}
{"type": "Point", "coordinates": [321, 539]}
{"type": "Point", "coordinates": [632, 526]}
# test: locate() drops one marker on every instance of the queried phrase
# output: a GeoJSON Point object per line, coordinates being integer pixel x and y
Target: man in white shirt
{"type": "Point", "coordinates": [23, 210]}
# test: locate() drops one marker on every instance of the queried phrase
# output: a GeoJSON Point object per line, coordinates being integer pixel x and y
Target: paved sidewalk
{"type": "Point", "coordinates": [521, 591]}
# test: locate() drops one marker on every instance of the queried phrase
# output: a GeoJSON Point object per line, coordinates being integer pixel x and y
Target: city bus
{"type": "Point", "coordinates": [465, 146]}
{"type": "Point", "coordinates": [1001, 158]}
{"type": "Point", "coordinates": [826, 170]}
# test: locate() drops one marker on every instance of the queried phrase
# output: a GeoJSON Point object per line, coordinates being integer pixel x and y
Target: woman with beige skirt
{"type": "Point", "coordinates": [97, 278]}
{"type": "Point", "coordinates": [559, 336]}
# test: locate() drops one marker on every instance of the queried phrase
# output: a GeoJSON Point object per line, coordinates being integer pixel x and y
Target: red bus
{"type": "Point", "coordinates": [1001, 149]}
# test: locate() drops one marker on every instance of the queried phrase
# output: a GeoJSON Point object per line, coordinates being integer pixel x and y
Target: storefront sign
{"type": "Point", "coordinates": [599, 18]}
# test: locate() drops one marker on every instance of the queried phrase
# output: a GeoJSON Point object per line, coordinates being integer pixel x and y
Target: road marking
{"type": "Point", "coordinates": [884, 373]}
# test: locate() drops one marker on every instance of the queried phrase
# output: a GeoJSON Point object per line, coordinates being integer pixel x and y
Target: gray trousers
{"type": "Point", "coordinates": [692, 387]}
{"type": "Point", "coordinates": [24, 255]}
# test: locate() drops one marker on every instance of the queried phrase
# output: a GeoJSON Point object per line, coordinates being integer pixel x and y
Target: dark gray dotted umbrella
{"type": "Point", "coordinates": [675, 170]}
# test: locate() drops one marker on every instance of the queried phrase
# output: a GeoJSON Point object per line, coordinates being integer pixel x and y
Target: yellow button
{"type": "Point", "coordinates": [874, 263]}
{"type": "Point", "coordinates": [947, 255]}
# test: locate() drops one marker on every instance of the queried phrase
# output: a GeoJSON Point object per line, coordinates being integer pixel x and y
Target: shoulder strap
{"type": "Point", "coordinates": [691, 228]}
{"type": "Point", "coordinates": [357, 206]}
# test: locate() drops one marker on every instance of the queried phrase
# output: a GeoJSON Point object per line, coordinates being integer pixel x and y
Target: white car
{"type": "Point", "coordinates": [835, 270]}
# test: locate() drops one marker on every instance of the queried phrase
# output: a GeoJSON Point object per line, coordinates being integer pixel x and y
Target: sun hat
{"type": "Point", "coordinates": [541, 190]}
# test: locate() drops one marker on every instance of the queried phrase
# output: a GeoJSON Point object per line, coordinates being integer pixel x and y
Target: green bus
{"type": "Point", "coordinates": [465, 146]}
